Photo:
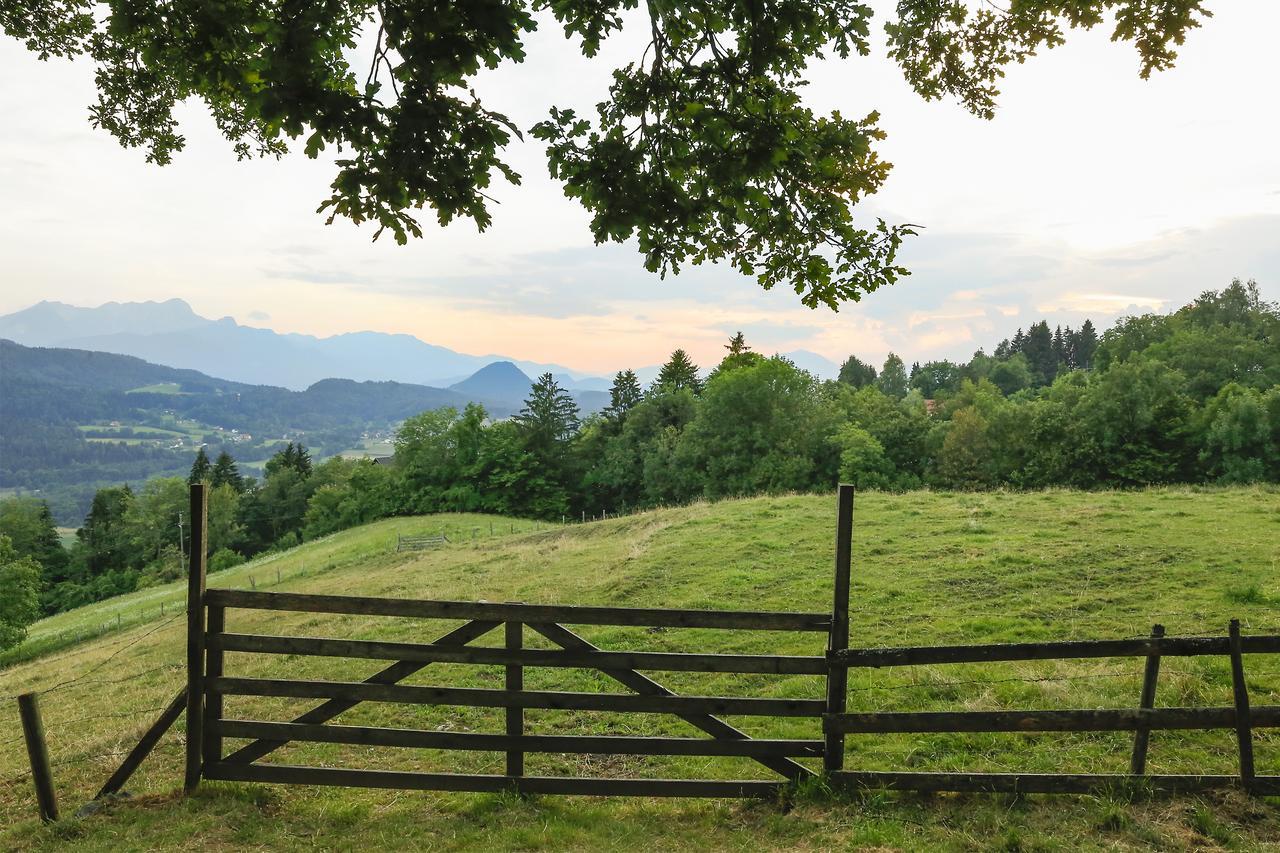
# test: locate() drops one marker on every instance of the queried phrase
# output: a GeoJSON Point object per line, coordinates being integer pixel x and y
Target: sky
{"type": "Point", "coordinates": [1092, 193]}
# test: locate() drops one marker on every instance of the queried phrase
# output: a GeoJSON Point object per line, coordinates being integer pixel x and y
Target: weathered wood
{"type": "Point", "coordinates": [1141, 647]}
{"type": "Point", "coordinates": [399, 671]}
{"type": "Point", "coordinates": [211, 745]}
{"type": "Point", "coordinates": [1142, 737]}
{"type": "Point", "coordinates": [838, 637]}
{"type": "Point", "coordinates": [1037, 783]}
{"type": "Point", "coordinates": [487, 698]}
{"type": "Point", "coordinates": [573, 614]}
{"type": "Point", "coordinates": [404, 780]}
{"type": "Point", "coordinates": [1243, 718]}
{"type": "Point", "coordinates": [514, 680]}
{"type": "Point", "coordinates": [146, 743]}
{"type": "Point", "coordinates": [644, 685]}
{"type": "Point", "coordinates": [474, 742]}
{"type": "Point", "coordinates": [195, 634]}
{"type": "Point", "coordinates": [38, 755]}
{"type": "Point", "coordinates": [433, 652]}
{"type": "Point", "coordinates": [1121, 719]}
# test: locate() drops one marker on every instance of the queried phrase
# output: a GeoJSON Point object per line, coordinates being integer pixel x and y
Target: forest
{"type": "Point", "coordinates": [1192, 396]}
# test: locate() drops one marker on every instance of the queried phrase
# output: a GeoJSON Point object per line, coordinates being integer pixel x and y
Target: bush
{"type": "Point", "coordinates": [224, 558]}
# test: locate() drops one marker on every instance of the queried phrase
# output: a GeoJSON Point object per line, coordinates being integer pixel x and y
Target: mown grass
{"type": "Point", "coordinates": [928, 568]}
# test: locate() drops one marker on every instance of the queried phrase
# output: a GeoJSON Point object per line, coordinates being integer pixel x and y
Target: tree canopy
{"type": "Point", "coordinates": [701, 150]}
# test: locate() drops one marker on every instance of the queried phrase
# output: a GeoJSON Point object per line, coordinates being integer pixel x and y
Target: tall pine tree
{"type": "Point", "coordinates": [679, 372]}
{"type": "Point", "coordinates": [201, 468]}
{"type": "Point", "coordinates": [225, 473]}
{"type": "Point", "coordinates": [623, 395]}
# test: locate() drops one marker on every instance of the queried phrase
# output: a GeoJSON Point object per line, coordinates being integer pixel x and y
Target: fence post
{"type": "Point", "coordinates": [838, 638]}
{"type": "Point", "coordinates": [1244, 731]}
{"type": "Point", "coordinates": [38, 753]}
{"type": "Point", "coordinates": [195, 635]}
{"type": "Point", "coordinates": [211, 744]}
{"type": "Point", "coordinates": [515, 681]}
{"type": "Point", "coordinates": [1141, 737]}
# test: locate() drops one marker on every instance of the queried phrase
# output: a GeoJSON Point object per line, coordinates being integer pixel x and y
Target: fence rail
{"type": "Point", "coordinates": [209, 641]}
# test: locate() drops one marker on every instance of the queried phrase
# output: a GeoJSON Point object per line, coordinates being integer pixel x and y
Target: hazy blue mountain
{"type": "Point", "coordinates": [501, 380]}
{"type": "Point", "coordinates": [170, 333]}
{"type": "Point", "coordinates": [819, 365]}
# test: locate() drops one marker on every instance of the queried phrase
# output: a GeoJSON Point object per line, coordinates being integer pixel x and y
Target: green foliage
{"type": "Point", "coordinates": [856, 372]}
{"type": "Point", "coordinates": [19, 593]}
{"type": "Point", "coordinates": [893, 380]}
{"type": "Point", "coordinates": [761, 428]}
{"type": "Point", "coordinates": [201, 468]}
{"type": "Point", "coordinates": [225, 473]}
{"type": "Point", "coordinates": [32, 533]}
{"type": "Point", "coordinates": [679, 373]}
{"type": "Point", "coordinates": [224, 558]}
{"type": "Point", "coordinates": [702, 151]}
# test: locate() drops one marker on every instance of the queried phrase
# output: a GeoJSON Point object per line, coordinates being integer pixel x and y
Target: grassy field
{"type": "Point", "coordinates": [928, 568]}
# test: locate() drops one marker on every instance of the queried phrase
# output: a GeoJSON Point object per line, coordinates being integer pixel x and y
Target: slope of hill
{"type": "Point", "coordinates": [928, 568]}
{"type": "Point", "coordinates": [501, 380]}
{"type": "Point", "coordinates": [172, 333]}
{"type": "Point", "coordinates": [78, 418]}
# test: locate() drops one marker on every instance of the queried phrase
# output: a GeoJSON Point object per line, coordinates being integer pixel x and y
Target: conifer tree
{"type": "Point", "coordinates": [624, 393]}
{"type": "Point", "coordinates": [549, 416]}
{"type": "Point", "coordinates": [857, 372]}
{"type": "Point", "coordinates": [679, 372]}
{"type": "Point", "coordinates": [737, 344]}
{"type": "Point", "coordinates": [201, 468]}
{"type": "Point", "coordinates": [225, 473]}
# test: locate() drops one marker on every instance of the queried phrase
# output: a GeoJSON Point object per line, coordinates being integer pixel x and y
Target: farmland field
{"type": "Point", "coordinates": [927, 568]}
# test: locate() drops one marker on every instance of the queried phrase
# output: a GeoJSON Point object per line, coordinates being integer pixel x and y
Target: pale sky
{"type": "Point", "coordinates": [1092, 193]}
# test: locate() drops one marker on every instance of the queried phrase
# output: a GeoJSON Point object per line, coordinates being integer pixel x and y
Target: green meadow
{"type": "Point", "coordinates": [928, 567]}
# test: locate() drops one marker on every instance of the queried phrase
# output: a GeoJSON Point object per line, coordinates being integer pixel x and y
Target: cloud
{"type": "Point", "coordinates": [259, 316]}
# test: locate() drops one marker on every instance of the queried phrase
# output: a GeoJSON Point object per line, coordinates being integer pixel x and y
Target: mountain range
{"type": "Point", "coordinates": [171, 333]}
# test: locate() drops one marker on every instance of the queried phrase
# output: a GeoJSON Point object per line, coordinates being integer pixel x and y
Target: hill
{"type": "Point", "coordinates": [501, 380]}
{"type": "Point", "coordinates": [74, 418]}
{"type": "Point", "coordinates": [928, 567]}
{"type": "Point", "coordinates": [172, 333]}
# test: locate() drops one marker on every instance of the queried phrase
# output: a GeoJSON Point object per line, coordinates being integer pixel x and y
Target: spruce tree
{"type": "Point", "coordinates": [624, 393]}
{"type": "Point", "coordinates": [225, 473]}
{"type": "Point", "coordinates": [1086, 346]}
{"type": "Point", "coordinates": [679, 372]}
{"type": "Point", "coordinates": [201, 468]}
{"type": "Point", "coordinates": [737, 344]}
{"type": "Point", "coordinates": [549, 416]}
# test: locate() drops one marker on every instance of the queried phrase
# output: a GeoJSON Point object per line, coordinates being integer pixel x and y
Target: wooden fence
{"type": "Point", "coordinates": [420, 543]}
{"type": "Point", "coordinates": [790, 761]}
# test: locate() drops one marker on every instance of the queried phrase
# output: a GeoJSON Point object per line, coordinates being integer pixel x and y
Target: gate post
{"type": "Point", "coordinates": [515, 682]}
{"type": "Point", "coordinates": [838, 638]}
{"type": "Point", "coordinates": [195, 634]}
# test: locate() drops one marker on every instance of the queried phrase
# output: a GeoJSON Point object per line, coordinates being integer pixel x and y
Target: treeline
{"type": "Point", "coordinates": [1188, 397]}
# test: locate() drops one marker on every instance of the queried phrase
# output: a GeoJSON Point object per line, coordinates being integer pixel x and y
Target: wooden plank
{"type": "Point", "coordinates": [573, 614]}
{"type": "Point", "coordinates": [1036, 783]}
{"type": "Point", "coordinates": [838, 637]}
{"type": "Point", "coordinates": [514, 681]}
{"type": "Point", "coordinates": [435, 653]}
{"type": "Point", "coordinates": [211, 749]}
{"type": "Point", "coordinates": [487, 698]}
{"type": "Point", "coordinates": [1142, 737]}
{"type": "Point", "coordinates": [147, 743]}
{"type": "Point", "coordinates": [1141, 647]}
{"type": "Point", "coordinates": [1121, 719]}
{"type": "Point", "coordinates": [478, 742]}
{"type": "Point", "coordinates": [644, 685]}
{"type": "Point", "coordinates": [38, 755]}
{"type": "Point", "coordinates": [398, 671]}
{"type": "Point", "coordinates": [411, 781]}
{"type": "Point", "coordinates": [1244, 729]}
{"type": "Point", "coordinates": [195, 634]}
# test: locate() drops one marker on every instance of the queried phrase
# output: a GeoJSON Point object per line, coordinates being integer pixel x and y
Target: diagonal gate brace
{"type": "Point", "coordinates": [646, 686]}
{"type": "Point", "coordinates": [397, 672]}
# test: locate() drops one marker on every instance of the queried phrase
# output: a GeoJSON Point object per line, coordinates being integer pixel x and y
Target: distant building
{"type": "Point", "coordinates": [383, 460]}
